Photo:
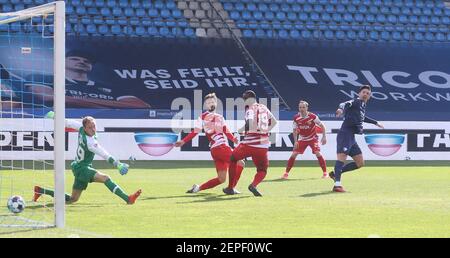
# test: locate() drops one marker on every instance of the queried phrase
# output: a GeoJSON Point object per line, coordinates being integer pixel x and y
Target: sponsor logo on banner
{"type": "Point", "coordinates": [28, 141]}
{"type": "Point", "coordinates": [384, 144]}
{"type": "Point", "coordinates": [156, 144]}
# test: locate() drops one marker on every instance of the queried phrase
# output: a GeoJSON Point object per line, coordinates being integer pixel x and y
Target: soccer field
{"type": "Point", "coordinates": [382, 201]}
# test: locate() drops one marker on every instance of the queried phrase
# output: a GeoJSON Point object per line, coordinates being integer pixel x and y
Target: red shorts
{"type": "Point", "coordinates": [258, 155]}
{"type": "Point", "coordinates": [221, 156]}
{"type": "Point", "coordinates": [302, 145]}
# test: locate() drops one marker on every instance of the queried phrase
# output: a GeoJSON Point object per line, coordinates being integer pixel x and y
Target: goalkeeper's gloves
{"type": "Point", "coordinates": [50, 115]}
{"type": "Point", "coordinates": [122, 167]}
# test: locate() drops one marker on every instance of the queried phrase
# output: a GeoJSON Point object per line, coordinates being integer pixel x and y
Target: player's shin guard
{"type": "Point", "coordinates": [349, 167]}
{"type": "Point", "coordinates": [115, 189]}
{"type": "Point", "coordinates": [210, 184]}
{"type": "Point", "coordinates": [322, 163]}
{"type": "Point", "coordinates": [259, 177]}
{"type": "Point", "coordinates": [338, 170]}
{"type": "Point", "coordinates": [290, 164]}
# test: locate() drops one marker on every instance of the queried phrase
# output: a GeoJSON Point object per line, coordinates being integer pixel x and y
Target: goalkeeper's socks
{"type": "Point", "coordinates": [51, 193]}
{"type": "Point", "coordinates": [349, 167]}
{"type": "Point", "coordinates": [115, 189]}
{"type": "Point", "coordinates": [338, 170]}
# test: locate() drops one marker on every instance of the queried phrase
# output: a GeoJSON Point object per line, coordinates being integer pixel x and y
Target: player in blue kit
{"type": "Point", "coordinates": [354, 112]}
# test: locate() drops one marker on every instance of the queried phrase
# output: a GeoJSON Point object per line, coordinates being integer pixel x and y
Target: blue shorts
{"type": "Point", "coordinates": [347, 144]}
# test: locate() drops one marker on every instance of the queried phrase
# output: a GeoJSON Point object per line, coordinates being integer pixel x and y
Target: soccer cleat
{"type": "Point", "coordinates": [338, 189]}
{"type": "Point", "coordinates": [194, 189]}
{"type": "Point", "coordinates": [255, 191]}
{"type": "Point", "coordinates": [331, 175]}
{"type": "Point", "coordinates": [229, 191]}
{"type": "Point", "coordinates": [285, 176]}
{"type": "Point", "coordinates": [132, 198]}
{"type": "Point", "coordinates": [37, 193]}
{"type": "Point", "coordinates": [325, 176]}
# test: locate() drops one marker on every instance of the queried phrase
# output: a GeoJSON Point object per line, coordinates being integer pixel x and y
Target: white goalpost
{"type": "Point", "coordinates": [32, 148]}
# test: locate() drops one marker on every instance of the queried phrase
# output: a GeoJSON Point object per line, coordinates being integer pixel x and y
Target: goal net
{"type": "Point", "coordinates": [32, 83]}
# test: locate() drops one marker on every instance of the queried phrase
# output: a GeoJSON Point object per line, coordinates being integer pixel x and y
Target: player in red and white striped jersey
{"type": "Point", "coordinates": [259, 121]}
{"type": "Point", "coordinates": [218, 134]}
{"type": "Point", "coordinates": [305, 128]}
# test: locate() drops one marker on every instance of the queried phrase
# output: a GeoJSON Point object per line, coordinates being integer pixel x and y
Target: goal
{"type": "Point", "coordinates": [32, 148]}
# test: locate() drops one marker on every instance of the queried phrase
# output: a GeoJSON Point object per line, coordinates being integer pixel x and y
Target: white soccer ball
{"type": "Point", "coordinates": [16, 204]}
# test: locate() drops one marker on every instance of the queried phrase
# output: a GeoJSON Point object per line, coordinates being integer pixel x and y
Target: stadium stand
{"type": "Point", "coordinates": [349, 20]}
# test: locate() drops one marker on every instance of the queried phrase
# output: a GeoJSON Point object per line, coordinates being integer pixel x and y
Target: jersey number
{"type": "Point", "coordinates": [80, 153]}
{"type": "Point", "coordinates": [263, 121]}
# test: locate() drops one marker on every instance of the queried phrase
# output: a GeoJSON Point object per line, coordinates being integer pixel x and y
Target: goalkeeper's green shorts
{"type": "Point", "coordinates": [83, 176]}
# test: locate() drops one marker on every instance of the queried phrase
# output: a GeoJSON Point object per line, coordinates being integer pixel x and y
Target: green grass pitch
{"type": "Point", "coordinates": [383, 200]}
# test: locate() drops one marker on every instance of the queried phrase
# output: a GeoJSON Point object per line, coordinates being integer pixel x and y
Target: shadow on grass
{"type": "Point", "coordinates": [175, 196]}
{"type": "Point", "coordinates": [219, 198]}
{"type": "Point", "coordinates": [73, 205]}
{"type": "Point", "coordinates": [310, 195]}
{"type": "Point", "coordinates": [198, 198]}
{"type": "Point", "coordinates": [21, 230]}
{"type": "Point", "coordinates": [278, 180]}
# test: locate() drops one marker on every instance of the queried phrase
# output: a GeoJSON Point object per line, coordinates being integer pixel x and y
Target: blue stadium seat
{"type": "Point", "coordinates": [247, 33]}
{"type": "Point", "coordinates": [98, 20]}
{"type": "Point", "coordinates": [396, 36]}
{"type": "Point", "coordinates": [386, 36]}
{"type": "Point", "coordinates": [246, 15]}
{"type": "Point", "coordinates": [123, 3]}
{"type": "Point", "coordinates": [292, 16]}
{"type": "Point", "coordinates": [129, 12]}
{"type": "Point", "coordinates": [117, 12]}
{"type": "Point", "coordinates": [235, 15]}
{"type": "Point", "coordinates": [440, 36]}
{"type": "Point", "coordinates": [251, 7]}
{"type": "Point", "coordinates": [7, 8]}
{"type": "Point", "coordinates": [340, 35]}
{"type": "Point", "coordinates": [283, 34]}
{"type": "Point", "coordinates": [141, 31]}
{"type": "Point", "coordinates": [281, 16]}
{"type": "Point", "coordinates": [111, 3]}
{"type": "Point", "coordinates": [259, 33]}
{"type": "Point", "coordinates": [269, 16]}
{"type": "Point", "coordinates": [86, 20]}
{"type": "Point", "coordinates": [351, 35]}
{"type": "Point", "coordinates": [306, 34]}
{"type": "Point", "coordinates": [257, 15]}
{"type": "Point", "coordinates": [429, 36]}
{"type": "Point", "coordinates": [165, 13]}
{"type": "Point", "coordinates": [134, 21]}
{"type": "Point", "coordinates": [153, 31]}
{"type": "Point", "coordinates": [188, 32]}
{"type": "Point", "coordinates": [418, 36]}
{"type": "Point", "coordinates": [153, 13]}
{"type": "Point", "coordinates": [88, 3]}
{"type": "Point", "coordinates": [373, 35]}
{"type": "Point", "coordinates": [263, 7]}
{"type": "Point", "coordinates": [80, 10]}
{"type": "Point", "coordinates": [103, 29]}
{"type": "Point", "coordinates": [228, 6]}
{"type": "Point", "coordinates": [362, 35]}
{"type": "Point", "coordinates": [105, 11]}
{"type": "Point", "coordinates": [329, 34]}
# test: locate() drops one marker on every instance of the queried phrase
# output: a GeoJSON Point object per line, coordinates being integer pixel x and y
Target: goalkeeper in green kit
{"type": "Point", "coordinates": [82, 168]}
